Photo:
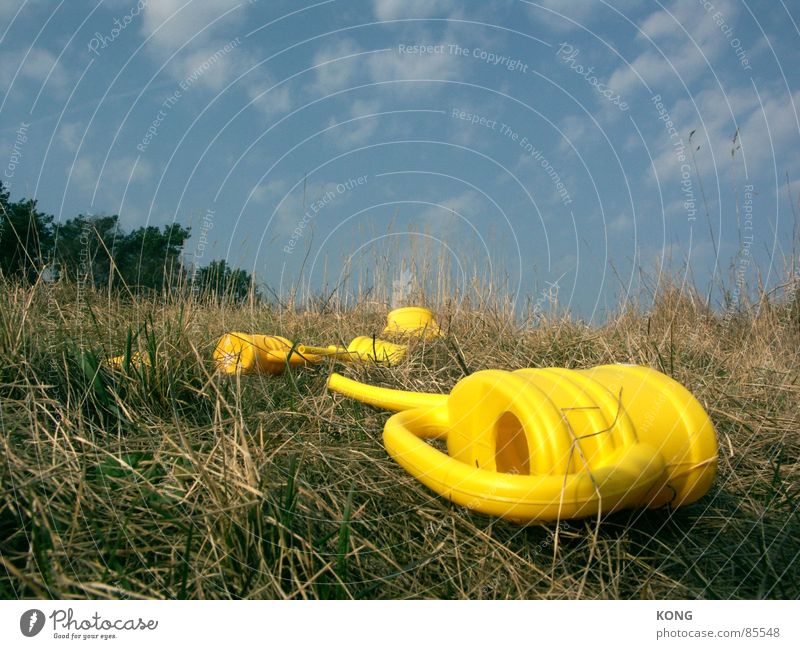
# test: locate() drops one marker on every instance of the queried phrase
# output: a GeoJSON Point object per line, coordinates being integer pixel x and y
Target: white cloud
{"type": "Point", "coordinates": [337, 66]}
{"type": "Point", "coordinates": [120, 171]}
{"type": "Point", "coordinates": [69, 135]}
{"type": "Point", "coordinates": [575, 130]}
{"type": "Point", "coordinates": [344, 65]}
{"type": "Point", "coordinates": [7, 10]}
{"type": "Point", "coordinates": [118, 174]}
{"type": "Point", "coordinates": [775, 126]}
{"type": "Point", "coordinates": [83, 173]}
{"type": "Point", "coordinates": [269, 191]}
{"type": "Point", "coordinates": [574, 14]}
{"type": "Point", "coordinates": [210, 67]}
{"type": "Point", "coordinates": [576, 9]}
{"type": "Point", "coordinates": [451, 214]}
{"type": "Point", "coordinates": [394, 65]}
{"type": "Point", "coordinates": [391, 9]}
{"type": "Point", "coordinates": [684, 56]}
{"type": "Point", "coordinates": [715, 127]}
{"type": "Point", "coordinates": [200, 30]}
{"type": "Point", "coordinates": [621, 223]}
{"type": "Point", "coordinates": [171, 23]}
{"type": "Point", "coordinates": [357, 132]}
{"type": "Point", "coordinates": [269, 100]}
{"type": "Point", "coordinates": [37, 66]}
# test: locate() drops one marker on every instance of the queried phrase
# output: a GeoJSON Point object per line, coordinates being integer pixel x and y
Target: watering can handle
{"type": "Point", "coordinates": [384, 397]}
{"type": "Point", "coordinates": [633, 475]}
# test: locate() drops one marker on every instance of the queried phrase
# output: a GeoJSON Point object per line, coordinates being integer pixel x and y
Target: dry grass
{"type": "Point", "coordinates": [170, 482]}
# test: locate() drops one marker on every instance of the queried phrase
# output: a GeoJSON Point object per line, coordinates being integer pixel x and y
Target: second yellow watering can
{"type": "Point", "coordinates": [258, 353]}
{"type": "Point", "coordinates": [544, 444]}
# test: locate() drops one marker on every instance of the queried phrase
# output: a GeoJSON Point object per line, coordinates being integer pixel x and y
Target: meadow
{"type": "Point", "coordinates": [167, 480]}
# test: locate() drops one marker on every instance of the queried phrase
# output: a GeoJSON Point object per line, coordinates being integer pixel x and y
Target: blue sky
{"type": "Point", "coordinates": [540, 144]}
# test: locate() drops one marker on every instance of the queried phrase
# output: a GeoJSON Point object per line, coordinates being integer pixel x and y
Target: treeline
{"type": "Point", "coordinates": [95, 249]}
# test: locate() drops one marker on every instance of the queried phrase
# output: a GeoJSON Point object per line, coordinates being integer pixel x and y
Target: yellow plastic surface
{"type": "Point", "coordinates": [361, 348]}
{"type": "Point", "coordinates": [411, 321]}
{"type": "Point", "coordinates": [330, 350]}
{"type": "Point", "coordinates": [545, 444]}
{"type": "Point", "coordinates": [367, 348]}
{"type": "Point", "coordinates": [249, 353]}
{"type": "Point", "coordinates": [118, 362]}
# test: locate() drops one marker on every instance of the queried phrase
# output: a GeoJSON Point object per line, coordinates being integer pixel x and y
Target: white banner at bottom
{"type": "Point", "coordinates": [31, 623]}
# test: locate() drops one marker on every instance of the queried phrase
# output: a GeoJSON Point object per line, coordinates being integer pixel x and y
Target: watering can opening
{"type": "Point", "coordinates": [511, 446]}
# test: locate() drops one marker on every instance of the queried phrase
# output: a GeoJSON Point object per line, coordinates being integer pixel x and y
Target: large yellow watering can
{"type": "Point", "coordinates": [544, 444]}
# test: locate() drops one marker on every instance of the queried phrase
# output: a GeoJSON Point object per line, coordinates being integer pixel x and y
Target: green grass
{"type": "Point", "coordinates": [164, 480]}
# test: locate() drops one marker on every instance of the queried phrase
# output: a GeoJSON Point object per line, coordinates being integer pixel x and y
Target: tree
{"type": "Point", "coordinates": [83, 248]}
{"type": "Point", "coordinates": [150, 258]}
{"type": "Point", "coordinates": [26, 237]}
{"type": "Point", "coordinates": [96, 248]}
{"type": "Point", "coordinates": [221, 282]}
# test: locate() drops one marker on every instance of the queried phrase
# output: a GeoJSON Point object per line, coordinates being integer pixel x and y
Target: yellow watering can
{"type": "Point", "coordinates": [544, 444]}
{"type": "Point", "coordinates": [411, 321]}
{"type": "Point", "coordinates": [249, 353]}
